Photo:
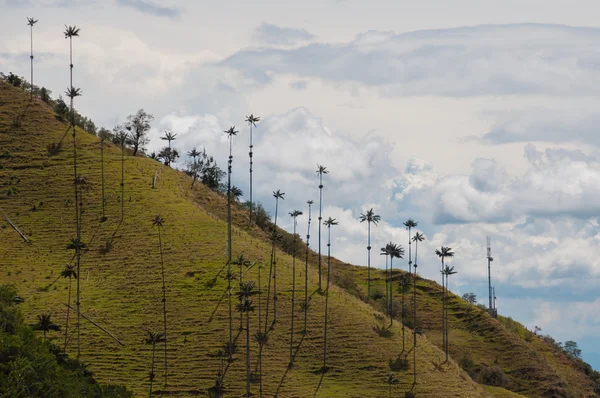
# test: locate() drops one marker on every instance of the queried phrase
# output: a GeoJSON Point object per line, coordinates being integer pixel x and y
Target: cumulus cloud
{"type": "Point", "coordinates": [271, 34]}
{"type": "Point", "coordinates": [471, 61]}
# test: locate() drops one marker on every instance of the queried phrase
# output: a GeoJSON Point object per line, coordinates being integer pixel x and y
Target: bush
{"type": "Point", "coordinates": [493, 376]}
{"type": "Point", "coordinates": [401, 363]}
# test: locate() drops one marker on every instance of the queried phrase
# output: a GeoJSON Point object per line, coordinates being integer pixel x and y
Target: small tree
{"type": "Point", "coordinates": [391, 380]}
{"type": "Point", "coordinates": [138, 126]}
{"type": "Point", "coordinates": [168, 155]}
{"type": "Point", "coordinates": [247, 290]}
{"type": "Point", "coordinates": [572, 350]}
{"type": "Point", "coordinates": [470, 298]}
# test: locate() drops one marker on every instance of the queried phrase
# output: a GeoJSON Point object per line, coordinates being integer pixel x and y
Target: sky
{"type": "Point", "coordinates": [474, 118]}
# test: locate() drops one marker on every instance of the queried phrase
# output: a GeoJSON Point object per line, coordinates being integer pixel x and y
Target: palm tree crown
{"type": "Point", "coordinates": [278, 194]}
{"type": "Point", "coordinates": [444, 252]}
{"type": "Point", "coordinates": [157, 221]}
{"type": "Point", "coordinates": [370, 216]}
{"type": "Point", "coordinates": [71, 31]}
{"type": "Point", "coordinates": [252, 120]}
{"type": "Point", "coordinates": [69, 271]}
{"type": "Point", "coordinates": [322, 169]}
{"type": "Point", "coordinates": [231, 131]}
{"type": "Point", "coordinates": [418, 237]}
{"type": "Point", "coordinates": [31, 21]}
{"type": "Point", "coordinates": [329, 222]}
{"type": "Point", "coordinates": [410, 223]}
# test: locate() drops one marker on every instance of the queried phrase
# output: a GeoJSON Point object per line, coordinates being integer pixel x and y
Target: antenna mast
{"type": "Point", "coordinates": [489, 260]}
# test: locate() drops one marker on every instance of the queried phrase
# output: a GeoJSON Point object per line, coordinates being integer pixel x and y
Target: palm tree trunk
{"type": "Point", "coordinates": [44, 341]}
{"type": "Point", "coordinates": [247, 354]}
{"type": "Point", "coordinates": [77, 221]}
{"type": "Point", "coordinates": [229, 254]}
{"type": "Point", "coordinates": [31, 57]}
{"type": "Point", "coordinates": [415, 316]}
{"type": "Point", "coordinates": [152, 370]}
{"type": "Point", "coordinates": [122, 179]}
{"type": "Point", "coordinates": [68, 311]}
{"type": "Point", "coordinates": [164, 300]}
{"type": "Point", "coordinates": [293, 294]}
{"type": "Point", "coordinates": [195, 172]}
{"type": "Point", "coordinates": [369, 261]}
{"type": "Point", "coordinates": [387, 280]}
{"type": "Point", "coordinates": [274, 260]}
{"type": "Point", "coordinates": [443, 306]}
{"type": "Point", "coordinates": [402, 316]}
{"type": "Point", "coordinates": [409, 253]}
{"type": "Point", "coordinates": [102, 172]}
{"type": "Point", "coordinates": [327, 299]}
{"type": "Point", "coordinates": [306, 272]}
{"type": "Point", "coordinates": [391, 284]}
{"type": "Point", "coordinates": [250, 154]}
{"type": "Point", "coordinates": [447, 343]}
{"type": "Point", "coordinates": [260, 346]}
{"type": "Point", "coordinates": [320, 219]}
{"type": "Point", "coordinates": [240, 284]}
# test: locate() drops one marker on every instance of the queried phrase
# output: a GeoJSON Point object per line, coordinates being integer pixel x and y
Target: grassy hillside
{"type": "Point", "coordinates": [121, 283]}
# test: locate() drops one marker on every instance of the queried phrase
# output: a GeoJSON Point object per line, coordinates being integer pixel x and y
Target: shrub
{"type": "Point", "coordinates": [401, 363]}
{"type": "Point", "coordinates": [493, 376]}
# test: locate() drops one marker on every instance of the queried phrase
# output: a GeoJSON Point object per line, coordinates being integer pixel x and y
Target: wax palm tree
{"type": "Point", "coordinates": [320, 171]}
{"type": "Point", "coordinates": [443, 253]}
{"type": "Point", "coordinates": [68, 272]}
{"type": "Point", "coordinates": [310, 202]}
{"type": "Point", "coordinates": [409, 224]}
{"type": "Point", "coordinates": [102, 139]}
{"type": "Point", "coordinates": [384, 252]}
{"type": "Point", "coordinates": [419, 237]}
{"type": "Point", "coordinates": [194, 154]}
{"type": "Point", "coordinates": [31, 22]}
{"type": "Point", "coordinates": [154, 338]}
{"type": "Point", "coordinates": [447, 272]}
{"type": "Point", "coordinates": [231, 132]}
{"type": "Point", "coordinates": [277, 195]}
{"type": "Point", "coordinates": [247, 290]}
{"type": "Point", "coordinates": [390, 380]}
{"type": "Point", "coordinates": [369, 217]}
{"type": "Point", "coordinates": [329, 222]}
{"type": "Point", "coordinates": [251, 120]}
{"type": "Point", "coordinates": [158, 222]}
{"type": "Point", "coordinates": [394, 251]}
{"type": "Point", "coordinates": [45, 324]}
{"type": "Point", "coordinates": [294, 214]}
{"type": "Point", "coordinates": [70, 32]}
{"type": "Point", "coordinates": [169, 136]}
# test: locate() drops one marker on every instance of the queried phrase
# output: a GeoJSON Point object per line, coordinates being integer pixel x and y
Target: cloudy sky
{"type": "Point", "coordinates": [475, 118]}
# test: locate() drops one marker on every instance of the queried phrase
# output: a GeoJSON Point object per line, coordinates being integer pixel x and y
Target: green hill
{"type": "Point", "coordinates": [121, 286]}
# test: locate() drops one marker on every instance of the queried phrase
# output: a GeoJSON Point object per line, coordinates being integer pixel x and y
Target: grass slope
{"type": "Point", "coordinates": [121, 284]}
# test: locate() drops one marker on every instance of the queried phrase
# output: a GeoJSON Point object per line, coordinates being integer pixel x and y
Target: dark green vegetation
{"type": "Point", "coordinates": [30, 367]}
{"type": "Point", "coordinates": [122, 288]}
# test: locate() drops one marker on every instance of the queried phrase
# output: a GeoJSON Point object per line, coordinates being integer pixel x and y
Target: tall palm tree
{"type": "Point", "coordinates": [154, 338]}
{"type": "Point", "coordinates": [329, 222]}
{"type": "Point", "coordinates": [251, 120]}
{"type": "Point", "coordinates": [247, 290]}
{"type": "Point", "coordinates": [158, 222]}
{"type": "Point", "coordinates": [260, 336]}
{"type": "Point", "coordinates": [443, 253]}
{"type": "Point", "coordinates": [68, 272]}
{"type": "Point", "coordinates": [70, 32]}
{"type": "Point", "coordinates": [45, 324]}
{"type": "Point", "coordinates": [231, 132]}
{"type": "Point", "coordinates": [31, 22]}
{"type": "Point", "coordinates": [369, 217]}
{"type": "Point", "coordinates": [419, 237]}
{"type": "Point", "coordinates": [447, 272]}
{"type": "Point", "coordinates": [410, 223]}
{"type": "Point", "coordinates": [384, 252]}
{"type": "Point", "coordinates": [309, 202]}
{"type": "Point", "coordinates": [277, 195]}
{"type": "Point", "coordinates": [394, 251]}
{"type": "Point", "coordinates": [390, 380]}
{"type": "Point", "coordinates": [294, 214]}
{"type": "Point", "coordinates": [77, 245]}
{"type": "Point", "coordinates": [194, 154]}
{"type": "Point", "coordinates": [320, 171]}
